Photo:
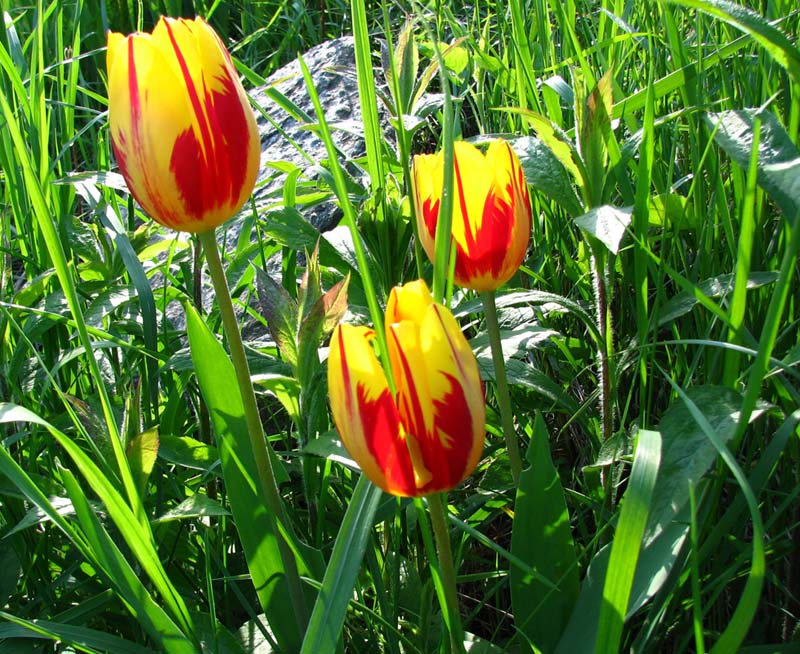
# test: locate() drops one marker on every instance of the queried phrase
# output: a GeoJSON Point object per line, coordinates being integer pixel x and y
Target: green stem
{"type": "Point", "coordinates": [501, 381]}
{"type": "Point", "coordinates": [258, 441]}
{"type": "Point", "coordinates": [436, 510]}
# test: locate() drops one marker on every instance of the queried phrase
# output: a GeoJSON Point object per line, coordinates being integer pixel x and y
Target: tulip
{"type": "Point", "coordinates": [182, 130]}
{"type": "Point", "coordinates": [428, 436]}
{"type": "Point", "coordinates": [491, 213]}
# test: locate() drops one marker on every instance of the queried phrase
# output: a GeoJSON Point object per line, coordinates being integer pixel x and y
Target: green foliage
{"type": "Point", "coordinates": [659, 509]}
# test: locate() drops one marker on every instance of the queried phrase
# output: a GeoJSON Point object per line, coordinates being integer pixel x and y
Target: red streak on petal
{"type": "Point", "coordinates": [381, 428]}
{"type": "Point", "coordinates": [382, 432]}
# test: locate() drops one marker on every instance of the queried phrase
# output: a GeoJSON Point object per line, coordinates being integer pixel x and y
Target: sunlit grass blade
{"type": "Point", "coordinates": [628, 542]}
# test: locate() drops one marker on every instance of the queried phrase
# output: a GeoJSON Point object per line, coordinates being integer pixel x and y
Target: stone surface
{"type": "Point", "coordinates": [289, 143]}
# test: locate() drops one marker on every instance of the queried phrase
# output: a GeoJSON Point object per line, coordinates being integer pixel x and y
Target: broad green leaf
{"type": "Point", "coordinates": [778, 157]}
{"type": "Point", "coordinates": [194, 506]}
{"type": "Point", "coordinates": [542, 538]}
{"type": "Point", "coordinates": [188, 452]}
{"type": "Point", "coordinates": [142, 453]}
{"type": "Point", "coordinates": [328, 615]}
{"type": "Point", "coordinates": [546, 174]}
{"type": "Point", "coordinates": [607, 224]}
{"type": "Point", "coordinates": [627, 543]}
{"type": "Point", "coordinates": [256, 526]}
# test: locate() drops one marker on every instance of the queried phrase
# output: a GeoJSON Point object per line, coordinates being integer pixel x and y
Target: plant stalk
{"type": "Point", "coordinates": [258, 441]}
{"type": "Point", "coordinates": [436, 511]}
{"type": "Point", "coordinates": [502, 392]}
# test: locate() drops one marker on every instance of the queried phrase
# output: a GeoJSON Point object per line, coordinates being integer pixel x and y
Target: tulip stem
{"type": "Point", "coordinates": [501, 385]}
{"type": "Point", "coordinates": [436, 510]}
{"type": "Point", "coordinates": [258, 441]}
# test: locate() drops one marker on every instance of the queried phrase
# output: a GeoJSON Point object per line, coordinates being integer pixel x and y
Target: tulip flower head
{"type": "Point", "coordinates": [182, 130]}
{"type": "Point", "coordinates": [491, 212]}
{"type": "Point", "coordinates": [428, 437]}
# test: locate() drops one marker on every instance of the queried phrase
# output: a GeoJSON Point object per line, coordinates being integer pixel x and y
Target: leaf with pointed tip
{"type": "Point", "coordinates": [310, 286]}
{"type": "Point", "coordinates": [594, 130]}
{"type": "Point", "coordinates": [280, 310]}
{"type": "Point", "coordinates": [541, 536]}
{"type": "Point", "coordinates": [142, 453]}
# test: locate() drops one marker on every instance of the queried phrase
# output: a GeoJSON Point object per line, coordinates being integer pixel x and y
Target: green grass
{"type": "Point", "coordinates": [116, 541]}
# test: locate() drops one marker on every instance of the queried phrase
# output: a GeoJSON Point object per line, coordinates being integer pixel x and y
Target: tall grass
{"type": "Point", "coordinates": [670, 526]}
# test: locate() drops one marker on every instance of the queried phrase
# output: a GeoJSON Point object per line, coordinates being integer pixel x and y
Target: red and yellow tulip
{"type": "Point", "coordinates": [428, 436]}
{"type": "Point", "coordinates": [182, 130]}
{"type": "Point", "coordinates": [491, 213]}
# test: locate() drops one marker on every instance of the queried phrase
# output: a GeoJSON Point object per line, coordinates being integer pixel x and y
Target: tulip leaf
{"type": "Point", "coordinates": [546, 173]}
{"type": "Point", "coordinates": [778, 167]}
{"type": "Point", "coordinates": [255, 525]}
{"type": "Point", "coordinates": [542, 537]}
{"type": "Point", "coordinates": [607, 224]}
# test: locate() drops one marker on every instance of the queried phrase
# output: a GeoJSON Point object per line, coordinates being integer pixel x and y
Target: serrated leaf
{"type": "Point", "coordinates": [607, 224]}
{"type": "Point", "coordinates": [280, 310]}
{"type": "Point", "coordinates": [546, 173]}
{"type": "Point", "coordinates": [310, 290]}
{"type": "Point", "coordinates": [778, 158]}
{"type": "Point", "coordinates": [541, 537]}
{"type": "Point", "coordinates": [142, 453]}
{"type": "Point", "coordinates": [594, 130]}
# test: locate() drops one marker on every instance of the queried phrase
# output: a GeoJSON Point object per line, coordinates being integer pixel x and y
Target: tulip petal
{"type": "Point", "coordinates": [491, 215]}
{"type": "Point", "coordinates": [364, 411]}
{"type": "Point", "coordinates": [439, 394]}
{"type": "Point", "coordinates": [182, 130]}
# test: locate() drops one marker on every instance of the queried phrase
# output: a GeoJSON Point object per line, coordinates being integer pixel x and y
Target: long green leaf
{"type": "Point", "coordinates": [542, 537]}
{"type": "Point", "coordinates": [256, 526]}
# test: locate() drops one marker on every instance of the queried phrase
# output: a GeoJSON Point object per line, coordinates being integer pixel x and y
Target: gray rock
{"type": "Point", "coordinates": [286, 140]}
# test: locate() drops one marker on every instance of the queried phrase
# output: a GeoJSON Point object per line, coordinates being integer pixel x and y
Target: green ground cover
{"type": "Point", "coordinates": [651, 343]}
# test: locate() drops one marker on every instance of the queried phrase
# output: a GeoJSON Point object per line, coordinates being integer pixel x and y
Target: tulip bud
{"type": "Point", "coordinates": [182, 130]}
{"type": "Point", "coordinates": [428, 437]}
{"type": "Point", "coordinates": [491, 213]}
